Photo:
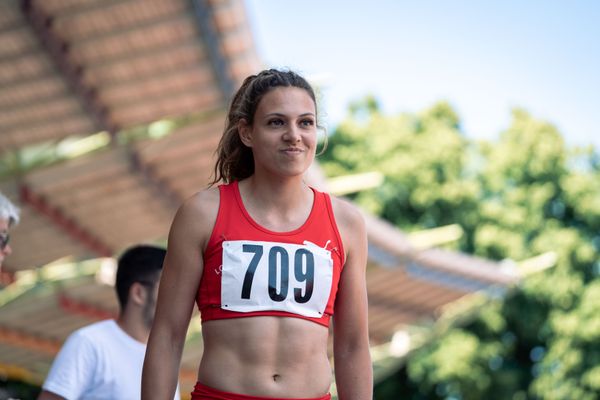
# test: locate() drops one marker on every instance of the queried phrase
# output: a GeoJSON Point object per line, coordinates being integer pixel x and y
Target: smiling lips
{"type": "Point", "coordinates": [292, 150]}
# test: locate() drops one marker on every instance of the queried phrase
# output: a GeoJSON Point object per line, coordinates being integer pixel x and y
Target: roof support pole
{"type": "Point", "coordinates": [209, 34]}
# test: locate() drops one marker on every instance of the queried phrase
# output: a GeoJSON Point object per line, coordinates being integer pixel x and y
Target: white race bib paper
{"type": "Point", "coordinates": [262, 276]}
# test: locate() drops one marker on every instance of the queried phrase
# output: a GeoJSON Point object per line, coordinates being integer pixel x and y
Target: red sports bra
{"type": "Point", "coordinates": [252, 271]}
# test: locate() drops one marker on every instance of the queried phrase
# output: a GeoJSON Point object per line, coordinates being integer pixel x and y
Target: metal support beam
{"type": "Point", "coordinates": [208, 31]}
{"type": "Point", "coordinates": [58, 49]}
{"type": "Point", "coordinates": [63, 222]}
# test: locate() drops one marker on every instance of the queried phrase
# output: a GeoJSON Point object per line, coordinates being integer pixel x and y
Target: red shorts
{"type": "Point", "coordinates": [203, 392]}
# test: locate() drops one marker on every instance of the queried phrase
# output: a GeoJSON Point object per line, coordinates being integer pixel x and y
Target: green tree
{"type": "Point", "coordinates": [518, 197]}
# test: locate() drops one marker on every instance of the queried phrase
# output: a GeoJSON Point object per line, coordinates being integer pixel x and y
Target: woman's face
{"type": "Point", "coordinates": [283, 136]}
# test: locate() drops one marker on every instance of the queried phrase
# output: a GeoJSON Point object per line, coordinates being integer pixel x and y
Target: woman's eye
{"type": "Point", "coordinates": [275, 122]}
{"type": "Point", "coordinates": [307, 122]}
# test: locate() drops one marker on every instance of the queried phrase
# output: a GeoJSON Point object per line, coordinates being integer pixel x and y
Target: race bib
{"type": "Point", "coordinates": [260, 276]}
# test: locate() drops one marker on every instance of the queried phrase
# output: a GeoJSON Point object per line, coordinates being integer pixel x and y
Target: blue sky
{"type": "Point", "coordinates": [484, 57]}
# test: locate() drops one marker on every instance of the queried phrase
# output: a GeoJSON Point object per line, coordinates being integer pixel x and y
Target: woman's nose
{"type": "Point", "coordinates": [292, 134]}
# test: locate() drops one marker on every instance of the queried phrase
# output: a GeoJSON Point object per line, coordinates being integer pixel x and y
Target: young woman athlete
{"type": "Point", "coordinates": [268, 260]}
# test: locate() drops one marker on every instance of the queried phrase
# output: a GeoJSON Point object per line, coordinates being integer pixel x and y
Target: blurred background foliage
{"type": "Point", "coordinates": [525, 194]}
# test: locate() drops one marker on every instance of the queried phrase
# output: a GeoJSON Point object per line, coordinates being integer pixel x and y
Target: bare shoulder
{"type": "Point", "coordinates": [198, 213]}
{"type": "Point", "coordinates": [204, 202]}
{"type": "Point", "coordinates": [349, 220]}
{"type": "Point", "coordinates": [345, 212]}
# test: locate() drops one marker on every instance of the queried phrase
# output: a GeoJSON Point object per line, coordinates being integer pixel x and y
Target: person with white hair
{"type": "Point", "coordinates": [9, 216]}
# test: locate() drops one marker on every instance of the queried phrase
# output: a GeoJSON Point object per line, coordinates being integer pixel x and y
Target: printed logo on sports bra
{"type": "Point", "coordinates": [261, 276]}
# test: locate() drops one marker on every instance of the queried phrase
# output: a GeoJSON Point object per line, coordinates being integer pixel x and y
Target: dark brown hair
{"type": "Point", "coordinates": [142, 264]}
{"type": "Point", "coordinates": [234, 159]}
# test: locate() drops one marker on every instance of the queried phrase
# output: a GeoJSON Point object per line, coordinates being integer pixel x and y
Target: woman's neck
{"type": "Point", "coordinates": [280, 204]}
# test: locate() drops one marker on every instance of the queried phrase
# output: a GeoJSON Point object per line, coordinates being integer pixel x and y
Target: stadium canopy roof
{"type": "Point", "coordinates": [128, 97]}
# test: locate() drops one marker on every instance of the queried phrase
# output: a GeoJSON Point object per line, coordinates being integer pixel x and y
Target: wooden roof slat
{"type": "Point", "coordinates": [9, 14]}
{"type": "Point", "coordinates": [21, 94]}
{"type": "Point", "coordinates": [197, 162]}
{"type": "Point", "coordinates": [32, 221]}
{"type": "Point", "coordinates": [209, 131]}
{"type": "Point", "coordinates": [137, 221]}
{"type": "Point", "coordinates": [127, 204]}
{"type": "Point", "coordinates": [134, 216]}
{"type": "Point", "coordinates": [122, 21]}
{"type": "Point", "coordinates": [403, 288]}
{"type": "Point", "coordinates": [39, 131]}
{"type": "Point", "coordinates": [199, 157]}
{"type": "Point", "coordinates": [463, 264]}
{"type": "Point", "coordinates": [36, 247]}
{"type": "Point", "coordinates": [101, 296]}
{"type": "Point", "coordinates": [29, 315]}
{"type": "Point", "coordinates": [74, 308]}
{"type": "Point", "coordinates": [86, 22]}
{"type": "Point", "coordinates": [71, 8]}
{"type": "Point", "coordinates": [153, 36]}
{"type": "Point", "coordinates": [61, 329]}
{"type": "Point", "coordinates": [135, 235]}
{"type": "Point", "coordinates": [242, 65]}
{"type": "Point", "coordinates": [191, 179]}
{"type": "Point", "coordinates": [66, 224]}
{"type": "Point", "coordinates": [65, 6]}
{"type": "Point", "coordinates": [16, 42]}
{"type": "Point", "coordinates": [48, 236]}
{"type": "Point", "coordinates": [191, 184]}
{"type": "Point", "coordinates": [109, 186]}
{"type": "Point", "coordinates": [130, 198]}
{"type": "Point", "coordinates": [148, 88]}
{"type": "Point", "coordinates": [54, 323]}
{"type": "Point", "coordinates": [123, 239]}
{"type": "Point", "coordinates": [24, 69]}
{"type": "Point", "coordinates": [48, 318]}
{"type": "Point", "coordinates": [45, 255]}
{"type": "Point", "coordinates": [236, 42]}
{"type": "Point", "coordinates": [154, 60]}
{"type": "Point", "coordinates": [21, 355]}
{"type": "Point", "coordinates": [74, 172]}
{"type": "Point", "coordinates": [228, 16]}
{"type": "Point", "coordinates": [178, 104]}
{"type": "Point", "coordinates": [30, 342]}
{"type": "Point", "coordinates": [200, 147]}
{"type": "Point", "coordinates": [158, 64]}
{"type": "Point", "coordinates": [62, 108]}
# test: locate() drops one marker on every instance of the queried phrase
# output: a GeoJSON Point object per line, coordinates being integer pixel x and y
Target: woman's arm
{"type": "Point", "coordinates": [177, 292]}
{"type": "Point", "coordinates": [352, 359]}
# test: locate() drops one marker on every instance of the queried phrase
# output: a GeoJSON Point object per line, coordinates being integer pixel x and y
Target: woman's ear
{"type": "Point", "coordinates": [245, 132]}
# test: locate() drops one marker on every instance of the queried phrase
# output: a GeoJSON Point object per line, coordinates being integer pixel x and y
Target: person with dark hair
{"type": "Point", "coordinates": [267, 259]}
{"type": "Point", "coordinates": [104, 360]}
{"type": "Point", "coordinates": [9, 217]}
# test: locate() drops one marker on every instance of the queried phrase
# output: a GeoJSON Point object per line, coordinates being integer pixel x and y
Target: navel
{"type": "Point", "coordinates": [276, 377]}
